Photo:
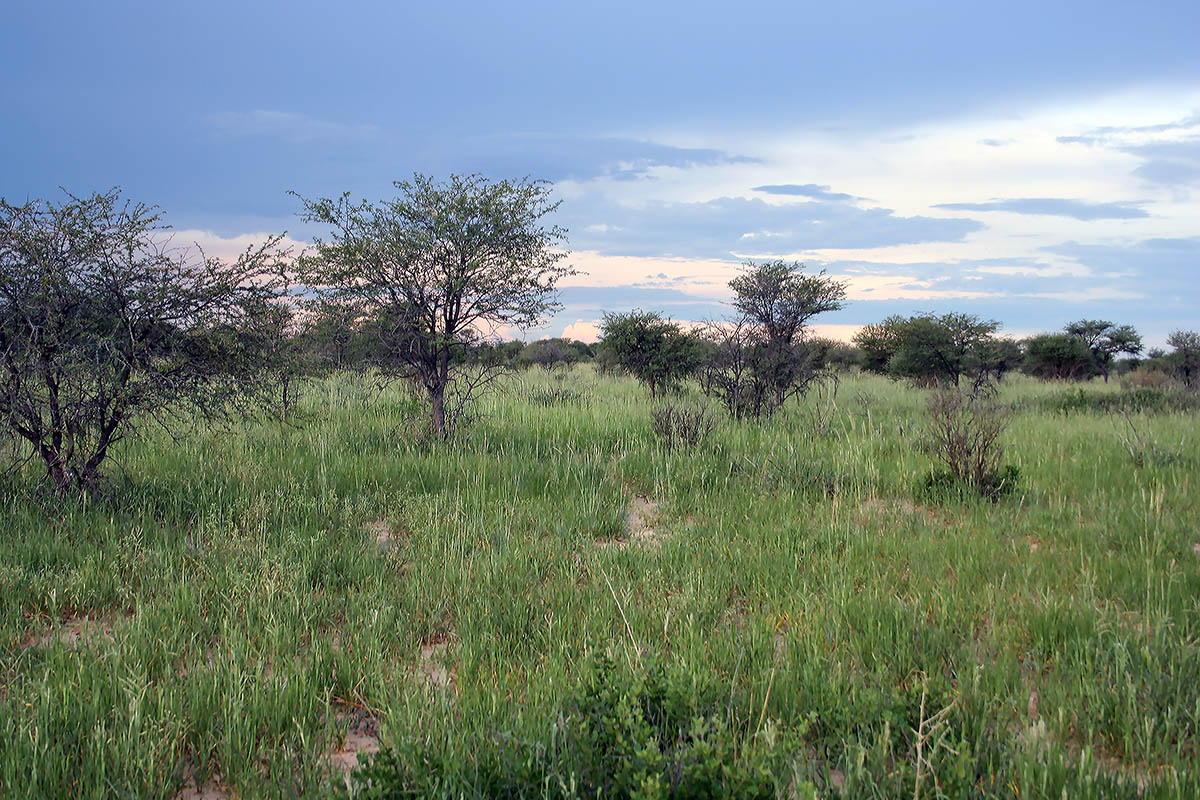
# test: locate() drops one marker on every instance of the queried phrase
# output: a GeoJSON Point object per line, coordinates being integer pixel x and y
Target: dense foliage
{"type": "Point", "coordinates": [653, 349]}
{"type": "Point", "coordinates": [105, 326]}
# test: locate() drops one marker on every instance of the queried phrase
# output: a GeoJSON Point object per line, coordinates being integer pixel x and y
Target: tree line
{"type": "Point", "coordinates": [107, 326]}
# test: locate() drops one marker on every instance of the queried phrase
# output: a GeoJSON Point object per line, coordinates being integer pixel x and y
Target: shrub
{"type": "Point", "coordinates": [1137, 398]}
{"type": "Point", "coordinates": [1143, 448]}
{"type": "Point", "coordinates": [107, 329]}
{"type": "Point", "coordinates": [652, 349]}
{"type": "Point", "coordinates": [547, 397]}
{"type": "Point", "coordinates": [1147, 378]}
{"type": "Point", "coordinates": [682, 426]}
{"type": "Point", "coordinates": [963, 434]}
{"type": "Point", "coordinates": [623, 732]}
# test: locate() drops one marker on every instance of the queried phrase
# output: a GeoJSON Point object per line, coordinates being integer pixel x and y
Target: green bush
{"type": "Point", "coordinates": [943, 484]}
{"type": "Point", "coordinates": [622, 733]}
{"type": "Point", "coordinates": [1140, 398]}
{"type": "Point", "coordinates": [556, 396]}
{"type": "Point", "coordinates": [682, 426]}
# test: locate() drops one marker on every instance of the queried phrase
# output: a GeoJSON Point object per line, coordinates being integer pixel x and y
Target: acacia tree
{"type": "Point", "coordinates": [944, 347]}
{"type": "Point", "coordinates": [104, 325]}
{"type": "Point", "coordinates": [1185, 356]}
{"type": "Point", "coordinates": [435, 268]}
{"type": "Point", "coordinates": [778, 299]}
{"type": "Point", "coordinates": [764, 356]}
{"type": "Point", "coordinates": [653, 349]}
{"type": "Point", "coordinates": [1105, 340]}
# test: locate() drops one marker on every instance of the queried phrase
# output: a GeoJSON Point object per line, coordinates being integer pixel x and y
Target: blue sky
{"type": "Point", "coordinates": [1030, 162]}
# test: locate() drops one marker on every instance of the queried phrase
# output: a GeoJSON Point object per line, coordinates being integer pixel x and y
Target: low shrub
{"type": "Point", "coordinates": [939, 484]}
{"type": "Point", "coordinates": [623, 732]}
{"type": "Point", "coordinates": [1162, 398]}
{"type": "Point", "coordinates": [556, 396]}
{"type": "Point", "coordinates": [682, 425]}
{"type": "Point", "coordinates": [1143, 448]}
{"type": "Point", "coordinates": [963, 434]}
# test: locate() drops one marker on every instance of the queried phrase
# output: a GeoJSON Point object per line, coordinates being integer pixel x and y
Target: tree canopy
{"type": "Point", "coordinates": [653, 349]}
{"type": "Point", "coordinates": [439, 266]}
{"type": "Point", "coordinates": [1105, 340]}
{"type": "Point", "coordinates": [105, 326]}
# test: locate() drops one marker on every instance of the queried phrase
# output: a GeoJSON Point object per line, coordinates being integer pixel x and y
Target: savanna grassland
{"type": "Point", "coordinates": [555, 602]}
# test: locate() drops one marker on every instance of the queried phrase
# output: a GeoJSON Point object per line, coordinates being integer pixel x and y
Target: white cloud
{"type": "Point", "coordinates": [583, 330]}
{"type": "Point", "coordinates": [226, 248]}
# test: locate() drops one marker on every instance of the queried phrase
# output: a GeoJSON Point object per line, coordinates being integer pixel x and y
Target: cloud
{"type": "Point", "coordinates": [287, 126]}
{"type": "Point", "coordinates": [1105, 131]}
{"type": "Point", "coordinates": [583, 330]}
{"type": "Point", "coordinates": [1170, 163]}
{"type": "Point", "coordinates": [584, 158]}
{"type": "Point", "coordinates": [735, 227]}
{"type": "Point", "coordinates": [1170, 151]}
{"type": "Point", "coordinates": [806, 190]}
{"type": "Point", "coordinates": [1054, 207]}
{"type": "Point", "coordinates": [226, 248]}
{"type": "Point", "coordinates": [1165, 267]}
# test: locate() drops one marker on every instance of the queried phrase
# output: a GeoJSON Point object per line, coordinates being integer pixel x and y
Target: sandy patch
{"type": "Point", "coordinates": [433, 669]}
{"type": "Point", "coordinates": [880, 509]}
{"type": "Point", "coordinates": [362, 739]}
{"type": "Point", "coordinates": [211, 790]}
{"type": "Point", "coordinates": [75, 631]}
{"type": "Point", "coordinates": [640, 520]}
{"type": "Point", "coordinates": [383, 533]}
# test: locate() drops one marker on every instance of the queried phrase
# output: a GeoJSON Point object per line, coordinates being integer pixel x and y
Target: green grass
{"type": "Point", "coordinates": [799, 587]}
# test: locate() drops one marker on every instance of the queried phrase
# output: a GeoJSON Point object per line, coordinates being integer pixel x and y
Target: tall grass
{"type": "Point", "coordinates": [239, 608]}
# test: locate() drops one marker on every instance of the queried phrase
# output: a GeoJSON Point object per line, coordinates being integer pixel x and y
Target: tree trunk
{"type": "Point", "coordinates": [437, 404]}
{"type": "Point", "coordinates": [57, 472]}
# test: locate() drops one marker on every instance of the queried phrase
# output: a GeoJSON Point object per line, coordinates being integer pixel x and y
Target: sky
{"type": "Point", "coordinates": [1033, 163]}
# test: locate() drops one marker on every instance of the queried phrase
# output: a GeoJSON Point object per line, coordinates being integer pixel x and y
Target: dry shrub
{"type": "Point", "coordinates": [962, 433]}
{"type": "Point", "coordinates": [681, 425]}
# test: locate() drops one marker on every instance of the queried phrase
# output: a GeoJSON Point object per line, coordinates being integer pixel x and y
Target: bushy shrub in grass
{"type": "Point", "coordinates": [548, 397]}
{"type": "Point", "coordinates": [622, 733]}
{"type": "Point", "coordinates": [682, 425]}
{"type": "Point", "coordinates": [1135, 398]}
{"type": "Point", "coordinates": [962, 433]}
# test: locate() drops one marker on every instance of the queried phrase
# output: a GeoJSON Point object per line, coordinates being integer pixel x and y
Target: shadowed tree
{"type": "Point", "coordinates": [943, 347]}
{"type": "Point", "coordinates": [1058, 356]}
{"type": "Point", "coordinates": [436, 269]}
{"type": "Point", "coordinates": [548, 353]}
{"type": "Point", "coordinates": [878, 342]}
{"type": "Point", "coordinates": [1185, 357]}
{"type": "Point", "coordinates": [1105, 340]}
{"type": "Point", "coordinates": [998, 356]}
{"type": "Point", "coordinates": [105, 326]}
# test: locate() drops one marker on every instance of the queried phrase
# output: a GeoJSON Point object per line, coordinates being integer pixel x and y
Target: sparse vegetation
{"type": "Point", "coordinates": [944, 587]}
{"type": "Point", "coordinates": [679, 425]}
{"type": "Point", "coordinates": [963, 433]}
{"type": "Point", "coordinates": [241, 606]}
